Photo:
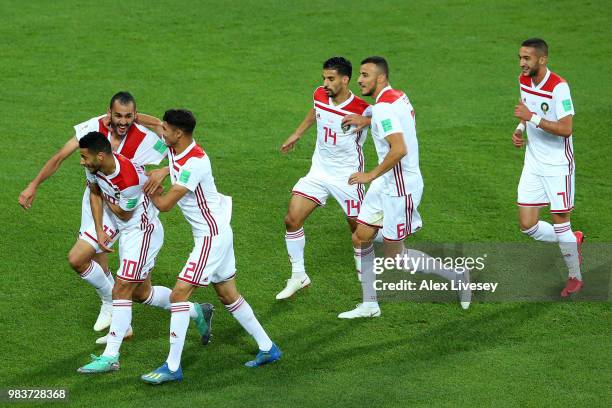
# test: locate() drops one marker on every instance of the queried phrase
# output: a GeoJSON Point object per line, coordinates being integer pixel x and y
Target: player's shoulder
{"type": "Point", "coordinates": [91, 125]}
{"type": "Point", "coordinates": [320, 95]}
{"type": "Point", "coordinates": [524, 80]}
{"type": "Point", "coordinates": [389, 96]}
{"type": "Point", "coordinates": [357, 106]}
{"type": "Point", "coordinates": [553, 82]}
{"type": "Point", "coordinates": [195, 157]}
{"type": "Point", "coordinates": [128, 172]}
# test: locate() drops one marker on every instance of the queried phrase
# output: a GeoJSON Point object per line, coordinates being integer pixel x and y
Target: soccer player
{"type": "Point", "coordinates": [115, 183]}
{"type": "Point", "coordinates": [546, 110]}
{"type": "Point", "coordinates": [338, 154]}
{"type": "Point", "coordinates": [133, 141]}
{"type": "Point", "coordinates": [397, 186]}
{"type": "Point", "coordinates": [212, 258]}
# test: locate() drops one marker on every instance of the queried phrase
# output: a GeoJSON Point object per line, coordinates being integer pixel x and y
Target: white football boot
{"type": "Point", "coordinates": [362, 310]}
{"type": "Point", "coordinates": [104, 317]}
{"type": "Point", "coordinates": [128, 335]}
{"type": "Point", "coordinates": [293, 285]}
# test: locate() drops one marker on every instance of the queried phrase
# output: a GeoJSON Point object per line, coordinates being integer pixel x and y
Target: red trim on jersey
{"type": "Point", "coordinates": [569, 155]}
{"type": "Point", "coordinates": [144, 249]}
{"type": "Point", "coordinates": [210, 219]}
{"type": "Point", "coordinates": [552, 82]}
{"type": "Point", "coordinates": [307, 196]}
{"type": "Point", "coordinates": [532, 205]}
{"type": "Point", "coordinates": [196, 151]}
{"type": "Point", "coordinates": [127, 175]}
{"type": "Point", "coordinates": [337, 112]}
{"type": "Point", "coordinates": [525, 80]}
{"type": "Point", "coordinates": [101, 128]}
{"type": "Point", "coordinates": [390, 96]}
{"type": "Point", "coordinates": [133, 139]}
{"type": "Point", "coordinates": [89, 235]}
{"type": "Point", "coordinates": [536, 93]}
{"type": "Point", "coordinates": [128, 280]}
{"type": "Point", "coordinates": [203, 259]}
{"type": "Point", "coordinates": [192, 283]}
{"type": "Point", "coordinates": [369, 225]}
{"type": "Point", "coordinates": [320, 95]}
{"type": "Point", "coordinates": [409, 208]}
{"type": "Point", "coordinates": [357, 106]}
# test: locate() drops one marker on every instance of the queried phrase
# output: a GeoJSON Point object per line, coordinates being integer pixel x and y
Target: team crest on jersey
{"type": "Point", "coordinates": [544, 107]}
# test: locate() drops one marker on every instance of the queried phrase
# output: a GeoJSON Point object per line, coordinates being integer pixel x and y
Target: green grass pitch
{"type": "Point", "coordinates": [247, 70]}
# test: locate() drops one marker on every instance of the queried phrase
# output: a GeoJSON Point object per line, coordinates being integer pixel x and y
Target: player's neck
{"type": "Point", "coordinates": [379, 90]}
{"type": "Point", "coordinates": [182, 145]}
{"type": "Point", "coordinates": [108, 166]}
{"type": "Point", "coordinates": [539, 77]}
{"type": "Point", "coordinates": [341, 97]}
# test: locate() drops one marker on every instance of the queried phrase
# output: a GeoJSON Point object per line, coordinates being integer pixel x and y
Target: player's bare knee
{"type": "Point", "coordinates": [122, 289]}
{"type": "Point", "coordinates": [179, 294]}
{"type": "Point", "coordinates": [292, 223]}
{"type": "Point", "coordinates": [77, 262]}
{"type": "Point", "coordinates": [526, 224]}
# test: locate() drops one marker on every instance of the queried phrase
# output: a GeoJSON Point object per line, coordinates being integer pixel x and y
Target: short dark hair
{"type": "Point", "coordinates": [380, 62]}
{"type": "Point", "coordinates": [181, 118]}
{"type": "Point", "coordinates": [95, 142]}
{"type": "Point", "coordinates": [340, 64]}
{"type": "Point", "coordinates": [124, 98]}
{"type": "Point", "coordinates": [537, 43]}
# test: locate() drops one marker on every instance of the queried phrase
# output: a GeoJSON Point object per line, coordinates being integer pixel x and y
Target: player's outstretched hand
{"type": "Point", "coordinates": [517, 139]}
{"type": "Point", "coordinates": [156, 178]}
{"type": "Point", "coordinates": [359, 178]}
{"type": "Point", "coordinates": [103, 240]}
{"type": "Point", "coordinates": [522, 112]}
{"type": "Point", "coordinates": [356, 120]}
{"type": "Point", "coordinates": [289, 143]}
{"type": "Point", "coordinates": [26, 198]}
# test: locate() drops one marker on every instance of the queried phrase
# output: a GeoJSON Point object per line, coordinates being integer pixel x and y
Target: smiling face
{"type": "Point", "coordinates": [122, 117]}
{"type": "Point", "coordinates": [334, 83]}
{"type": "Point", "coordinates": [170, 134]}
{"type": "Point", "coordinates": [531, 61]}
{"type": "Point", "coordinates": [90, 160]}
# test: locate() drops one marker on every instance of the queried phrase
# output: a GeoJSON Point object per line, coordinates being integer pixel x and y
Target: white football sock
{"type": "Point", "coordinates": [94, 275]}
{"type": "Point", "coordinates": [159, 297]}
{"type": "Point", "coordinates": [179, 323]}
{"type": "Point", "coordinates": [569, 249]}
{"type": "Point", "coordinates": [357, 257]}
{"type": "Point", "coordinates": [295, 248]}
{"type": "Point", "coordinates": [242, 312]}
{"type": "Point", "coordinates": [367, 274]}
{"type": "Point", "coordinates": [122, 318]}
{"type": "Point", "coordinates": [542, 231]}
{"type": "Point", "coordinates": [109, 276]}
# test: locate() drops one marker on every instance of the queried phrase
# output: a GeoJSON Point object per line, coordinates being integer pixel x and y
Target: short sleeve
{"type": "Point", "coordinates": [91, 178]}
{"type": "Point", "coordinates": [129, 198]}
{"type": "Point", "coordinates": [385, 120]}
{"type": "Point", "coordinates": [368, 111]}
{"type": "Point", "coordinates": [152, 150]}
{"type": "Point", "coordinates": [563, 100]}
{"type": "Point", "coordinates": [84, 128]}
{"type": "Point", "coordinates": [193, 172]}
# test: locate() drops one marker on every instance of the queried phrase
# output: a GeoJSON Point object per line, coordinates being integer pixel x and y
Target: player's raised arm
{"type": "Point", "coordinates": [26, 198]}
{"type": "Point", "coordinates": [308, 121]}
{"type": "Point", "coordinates": [150, 122]}
{"type": "Point", "coordinates": [397, 150]}
{"type": "Point", "coordinates": [167, 201]}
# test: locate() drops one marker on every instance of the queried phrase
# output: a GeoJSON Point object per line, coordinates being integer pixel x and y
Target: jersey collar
{"type": "Point", "coordinates": [343, 104]}
{"type": "Point", "coordinates": [543, 81]}
{"type": "Point", "coordinates": [117, 168]}
{"type": "Point", "coordinates": [186, 151]}
{"type": "Point", "coordinates": [385, 89]}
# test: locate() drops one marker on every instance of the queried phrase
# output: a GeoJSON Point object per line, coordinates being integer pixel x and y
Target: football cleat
{"type": "Point", "coordinates": [265, 357]}
{"type": "Point", "coordinates": [162, 375]}
{"type": "Point", "coordinates": [361, 311]}
{"type": "Point", "coordinates": [293, 285]}
{"type": "Point", "coordinates": [100, 364]}
{"type": "Point", "coordinates": [127, 336]}
{"type": "Point", "coordinates": [580, 237]}
{"type": "Point", "coordinates": [572, 285]}
{"type": "Point", "coordinates": [203, 320]}
{"type": "Point", "coordinates": [104, 317]}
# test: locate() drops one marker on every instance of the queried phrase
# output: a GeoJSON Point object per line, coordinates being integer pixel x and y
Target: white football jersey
{"type": "Point", "coordinates": [208, 211]}
{"type": "Point", "coordinates": [393, 113]}
{"type": "Point", "coordinates": [140, 145]}
{"type": "Point", "coordinates": [339, 152]}
{"type": "Point", "coordinates": [124, 188]}
{"type": "Point", "coordinates": [548, 154]}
